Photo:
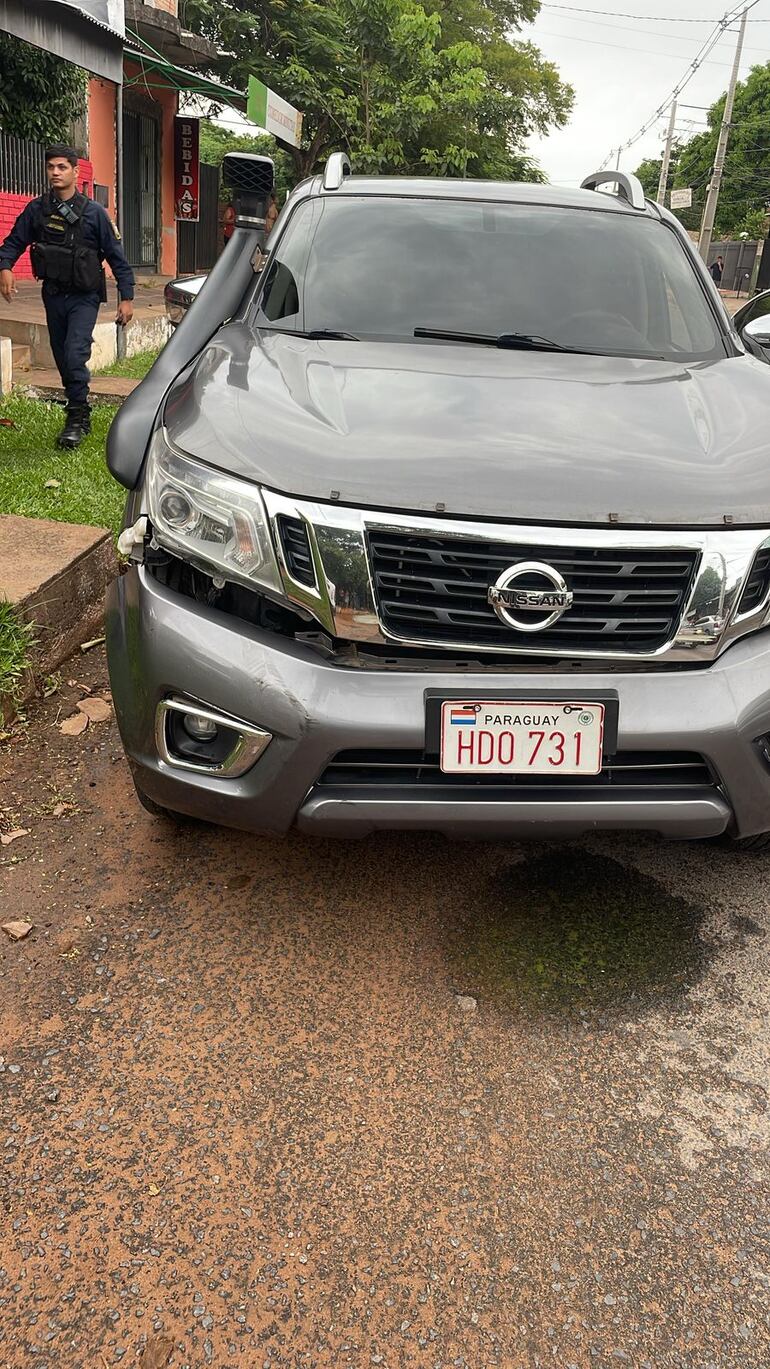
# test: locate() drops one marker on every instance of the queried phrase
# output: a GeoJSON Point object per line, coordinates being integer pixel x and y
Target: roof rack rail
{"type": "Point", "coordinates": [628, 186]}
{"type": "Point", "coordinates": [336, 169]}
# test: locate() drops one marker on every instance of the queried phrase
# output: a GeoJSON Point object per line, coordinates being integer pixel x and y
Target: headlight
{"type": "Point", "coordinates": [214, 521]}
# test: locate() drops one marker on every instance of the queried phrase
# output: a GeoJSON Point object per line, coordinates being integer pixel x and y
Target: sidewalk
{"type": "Point", "coordinates": [46, 384]}
{"type": "Point", "coordinates": [23, 321]}
{"type": "Point", "coordinates": [27, 306]}
{"type": "Point", "coordinates": [732, 301]}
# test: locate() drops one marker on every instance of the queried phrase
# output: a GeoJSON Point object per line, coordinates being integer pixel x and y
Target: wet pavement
{"type": "Point", "coordinates": [398, 1102]}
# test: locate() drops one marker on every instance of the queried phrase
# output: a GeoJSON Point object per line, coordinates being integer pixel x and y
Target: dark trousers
{"type": "Point", "coordinates": [71, 320]}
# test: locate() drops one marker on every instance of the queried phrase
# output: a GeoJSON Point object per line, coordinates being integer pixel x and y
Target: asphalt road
{"type": "Point", "coordinates": [245, 1118]}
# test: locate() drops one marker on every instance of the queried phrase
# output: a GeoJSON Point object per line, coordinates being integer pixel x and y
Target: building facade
{"type": "Point", "coordinates": [126, 141]}
{"type": "Point", "coordinates": [161, 62]}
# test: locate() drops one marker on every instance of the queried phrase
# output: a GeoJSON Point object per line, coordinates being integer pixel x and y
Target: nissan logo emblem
{"type": "Point", "coordinates": [510, 602]}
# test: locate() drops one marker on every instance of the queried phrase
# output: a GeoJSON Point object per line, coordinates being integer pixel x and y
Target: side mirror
{"type": "Point", "coordinates": [179, 295]}
{"type": "Point", "coordinates": [758, 329]}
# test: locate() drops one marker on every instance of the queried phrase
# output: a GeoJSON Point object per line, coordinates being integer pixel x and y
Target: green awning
{"type": "Point", "coordinates": [180, 78]}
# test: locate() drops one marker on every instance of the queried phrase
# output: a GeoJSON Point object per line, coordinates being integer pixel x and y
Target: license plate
{"type": "Point", "coordinates": [499, 736]}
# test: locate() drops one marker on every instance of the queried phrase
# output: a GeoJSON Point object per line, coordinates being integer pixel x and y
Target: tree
{"type": "Point", "coordinates": [648, 172]}
{"type": "Point", "coordinates": [216, 141]}
{"type": "Point", "coordinates": [402, 85]}
{"type": "Point", "coordinates": [523, 93]}
{"type": "Point", "coordinates": [745, 190]}
{"type": "Point", "coordinates": [300, 49]}
{"type": "Point", "coordinates": [40, 95]}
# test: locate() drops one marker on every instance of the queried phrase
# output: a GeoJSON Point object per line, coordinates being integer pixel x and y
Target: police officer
{"type": "Point", "coordinates": [70, 237]}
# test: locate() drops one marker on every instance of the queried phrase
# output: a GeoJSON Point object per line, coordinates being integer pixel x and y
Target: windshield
{"type": "Point", "coordinates": [592, 281]}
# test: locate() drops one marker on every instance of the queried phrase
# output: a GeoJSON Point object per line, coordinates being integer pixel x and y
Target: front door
{"type": "Point", "coordinates": [140, 190]}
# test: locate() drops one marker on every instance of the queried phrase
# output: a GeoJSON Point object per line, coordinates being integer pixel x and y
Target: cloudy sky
{"type": "Point", "coordinates": [623, 68]}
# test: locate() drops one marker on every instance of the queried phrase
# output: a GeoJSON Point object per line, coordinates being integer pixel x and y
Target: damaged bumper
{"type": "Point", "coordinates": [317, 713]}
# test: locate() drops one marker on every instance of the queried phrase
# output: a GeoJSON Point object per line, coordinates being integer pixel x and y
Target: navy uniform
{"type": "Point", "coordinates": [69, 241]}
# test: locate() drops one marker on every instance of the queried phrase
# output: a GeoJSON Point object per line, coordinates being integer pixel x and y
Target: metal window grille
{"type": "Point", "coordinates": [22, 166]}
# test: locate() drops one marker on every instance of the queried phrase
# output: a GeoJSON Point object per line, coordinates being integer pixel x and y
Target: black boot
{"type": "Point", "coordinates": [76, 427]}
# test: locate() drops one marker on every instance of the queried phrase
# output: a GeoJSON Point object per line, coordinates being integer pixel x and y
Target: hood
{"type": "Point", "coordinates": [473, 431]}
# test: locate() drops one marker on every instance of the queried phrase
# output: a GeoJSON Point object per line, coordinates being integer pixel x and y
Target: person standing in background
{"type": "Point", "coordinates": [228, 224]}
{"type": "Point", "coordinates": [70, 238]}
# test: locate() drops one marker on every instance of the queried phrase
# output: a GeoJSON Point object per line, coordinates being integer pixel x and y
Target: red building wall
{"type": "Point", "coordinates": [12, 205]}
{"type": "Point", "coordinates": [101, 136]}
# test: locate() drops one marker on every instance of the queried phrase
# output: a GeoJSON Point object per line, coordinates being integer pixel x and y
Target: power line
{"type": "Point", "coordinates": [649, 33]}
{"type": "Point", "coordinates": [652, 18]}
{"type": "Point", "coordinates": [649, 52]}
{"type": "Point", "coordinates": [710, 43]}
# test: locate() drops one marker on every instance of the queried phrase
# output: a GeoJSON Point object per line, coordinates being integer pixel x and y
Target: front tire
{"type": "Point", "coordinates": [156, 810]}
{"type": "Point", "coordinates": [749, 846]}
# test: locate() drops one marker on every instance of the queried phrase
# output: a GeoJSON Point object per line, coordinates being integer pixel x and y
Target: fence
{"type": "Point", "coordinates": [22, 166]}
{"type": "Point", "coordinates": [199, 244]}
{"type": "Point", "coordinates": [739, 256]}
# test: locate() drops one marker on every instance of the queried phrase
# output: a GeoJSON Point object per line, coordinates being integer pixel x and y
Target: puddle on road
{"type": "Point", "coordinates": [568, 928]}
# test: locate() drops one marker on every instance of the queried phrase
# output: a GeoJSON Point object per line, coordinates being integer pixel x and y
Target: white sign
{"type": "Point", "coordinates": [268, 110]}
{"type": "Point", "coordinates": [681, 199]}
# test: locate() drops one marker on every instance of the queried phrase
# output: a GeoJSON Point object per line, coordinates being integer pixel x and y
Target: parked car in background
{"type": "Point", "coordinates": [179, 295]}
{"type": "Point", "coordinates": [472, 537]}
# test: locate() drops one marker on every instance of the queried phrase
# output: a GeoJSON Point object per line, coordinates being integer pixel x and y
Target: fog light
{"type": "Point", "coordinates": [199, 727]}
{"type": "Point", "coordinates": [190, 737]}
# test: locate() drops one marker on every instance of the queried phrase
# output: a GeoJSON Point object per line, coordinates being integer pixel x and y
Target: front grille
{"type": "Point", "coordinates": [296, 549]}
{"type": "Point", "coordinates": [434, 589]}
{"type": "Point", "coordinates": [758, 583]}
{"type": "Point", "coordinates": [627, 771]}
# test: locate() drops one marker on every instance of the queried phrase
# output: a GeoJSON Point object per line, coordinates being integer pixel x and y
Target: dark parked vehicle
{"type": "Point", "coordinates": [473, 536]}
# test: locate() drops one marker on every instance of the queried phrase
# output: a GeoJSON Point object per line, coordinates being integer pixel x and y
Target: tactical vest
{"type": "Point", "coordinates": [58, 256]}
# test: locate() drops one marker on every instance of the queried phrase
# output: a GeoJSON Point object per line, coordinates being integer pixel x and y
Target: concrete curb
{"type": "Point", "coordinates": [56, 575]}
{"type": "Point", "coordinates": [148, 331]}
{"type": "Point", "coordinates": [46, 385]}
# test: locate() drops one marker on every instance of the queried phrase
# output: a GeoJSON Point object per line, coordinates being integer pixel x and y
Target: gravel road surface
{"type": "Point", "coordinates": [398, 1102]}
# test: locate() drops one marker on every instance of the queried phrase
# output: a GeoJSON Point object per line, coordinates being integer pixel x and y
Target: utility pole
{"type": "Point", "coordinates": [663, 182]}
{"type": "Point", "coordinates": [617, 160]}
{"type": "Point", "coordinates": [712, 199]}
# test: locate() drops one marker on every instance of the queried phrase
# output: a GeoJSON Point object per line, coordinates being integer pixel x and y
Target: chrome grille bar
{"type": "Point", "coordinates": [639, 594]}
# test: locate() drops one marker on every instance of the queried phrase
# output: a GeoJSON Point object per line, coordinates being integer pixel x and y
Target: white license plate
{"type": "Point", "coordinates": [505, 736]}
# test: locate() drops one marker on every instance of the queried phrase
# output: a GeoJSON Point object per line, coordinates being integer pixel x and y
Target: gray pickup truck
{"type": "Point", "coordinates": [451, 513]}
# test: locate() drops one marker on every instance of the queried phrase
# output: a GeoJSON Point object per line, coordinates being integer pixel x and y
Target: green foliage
{"type": "Point", "coordinates": [404, 86]}
{"type": "Point", "coordinates": [85, 492]}
{"type": "Point", "coordinates": [216, 141]}
{"type": "Point", "coordinates": [745, 190]}
{"type": "Point", "coordinates": [16, 641]}
{"type": "Point", "coordinates": [648, 172]}
{"type": "Point", "coordinates": [754, 226]}
{"type": "Point", "coordinates": [40, 95]}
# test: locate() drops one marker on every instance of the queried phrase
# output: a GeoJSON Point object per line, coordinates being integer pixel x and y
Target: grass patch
{"type": "Point", "coordinates": [135, 368]}
{"type": "Point", "coordinates": [16, 639]}
{"type": "Point", "coordinates": [30, 459]}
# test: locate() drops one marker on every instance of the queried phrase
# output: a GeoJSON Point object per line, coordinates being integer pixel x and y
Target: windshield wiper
{"type": "Point", "coordinates": [331, 333]}
{"type": "Point", "coordinates": [316, 333]}
{"type": "Point", "coordinates": [521, 342]}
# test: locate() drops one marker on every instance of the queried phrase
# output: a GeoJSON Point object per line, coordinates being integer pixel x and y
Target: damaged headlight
{"type": "Point", "coordinates": [214, 521]}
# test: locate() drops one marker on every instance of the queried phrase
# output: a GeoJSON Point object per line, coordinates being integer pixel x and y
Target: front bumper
{"type": "Point", "coordinates": [161, 644]}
